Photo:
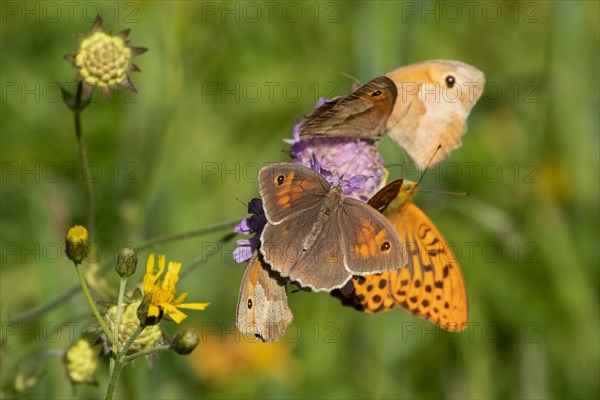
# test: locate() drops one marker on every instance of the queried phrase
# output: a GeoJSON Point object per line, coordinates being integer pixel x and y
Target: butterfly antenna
{"type": "Point", "coordinates": [427, 166]}
{"type": "Point", "coordinates": [444, 192]}
{"type": "Point", "coordinates": [400, 117]}
{"type": "Point", "coordinates": [244, 204]}
{"type": "Point", "coordinates": [346, 75]}
{"type": "Point", "coordinates": [438, 191]}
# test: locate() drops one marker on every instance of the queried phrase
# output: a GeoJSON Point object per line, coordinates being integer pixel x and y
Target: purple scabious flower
{"type": "Point", "coordinates": [254, 224]}
{"type": "Point", "coordinates": [355, 164]}
{"type": "Point", "coordinates": [345, 158]}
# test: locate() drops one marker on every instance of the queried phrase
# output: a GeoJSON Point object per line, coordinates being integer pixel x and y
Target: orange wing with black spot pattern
{"type": "Point", "coordinates": [431, 286]}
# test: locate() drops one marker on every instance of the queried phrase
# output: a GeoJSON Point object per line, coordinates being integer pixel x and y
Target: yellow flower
{"type": "Point", "coordinates": [163, 293]}
{"type": "Point", "coordinates": [103, 60]}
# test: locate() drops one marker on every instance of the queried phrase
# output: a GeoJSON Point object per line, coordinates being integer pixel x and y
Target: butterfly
{"type": "Point", "coordinates": [262, 308]}
{"type": "Point", "coordinates": [316, 236]}
{"type": "Point", "coordinates": [431, 286]}
{"type": "Point", "coordinates": [361, 114]}
{"type": "Point", "coordinates": [420, 106]}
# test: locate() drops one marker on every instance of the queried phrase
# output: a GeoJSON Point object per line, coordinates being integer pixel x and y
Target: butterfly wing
{"type": "Point", "coordinates": [433, 103]}
{"type": "Point", "coordinates": [318, 265]}
{"type": "Point", "coordinates": [361, 114]}
{"type": "Point", "coordinates": [384, 197]}
{"type": "Point", "coordinates": [288, 189]}
{"type": "Point", "coordinates": [432, 286]}
{"type": "Point", "coordinates": [262, 308]}
{"type": "Point", "coordinates": [370, 242]}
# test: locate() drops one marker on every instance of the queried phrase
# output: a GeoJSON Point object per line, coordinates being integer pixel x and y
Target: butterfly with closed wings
{"type": "Point", "coordinates": [420, 106]}
{"type": "Point", "coordinates": [262, 309]}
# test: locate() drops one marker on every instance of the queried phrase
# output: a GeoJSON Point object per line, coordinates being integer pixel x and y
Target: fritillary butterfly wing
{"type": "Point", "coordinates": [431, 285]}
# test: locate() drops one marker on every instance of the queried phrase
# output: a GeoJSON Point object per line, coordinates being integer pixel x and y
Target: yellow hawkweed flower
{"type": "Point", "coordinates": [77, 244]}
{"type": "Point", "coordinates": [81, 362]}
{"type": "Point", "coordinates": [163, 293]}
{"type": "Point", "coordinates": [103, 60]}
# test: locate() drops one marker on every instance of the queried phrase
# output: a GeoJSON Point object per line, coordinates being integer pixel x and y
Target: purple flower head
{"type": "Point", "coordinates": [254, 224]}
{"type": "Point", "coordinates": [355, 164]}
{"type": "Point", "coordinates": [344, 158]}
{"type": "Point", "coordinates": [356, 184]}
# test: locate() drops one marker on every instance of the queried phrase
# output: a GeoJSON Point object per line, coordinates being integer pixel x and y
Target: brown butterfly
{"type": "Point", "coordinates": [316, 236]}
{"type": "Point", "coordinates": [262, 308]}
{"type": "Point", "coordinates": [361, 114]}
{"type": "Point", "coordinates": [425, 105]}
{"type": "Point", "coordinates": [431, 286]}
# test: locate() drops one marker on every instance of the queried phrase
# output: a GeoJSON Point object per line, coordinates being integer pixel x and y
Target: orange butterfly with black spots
{"type": "Point", "coordinates": [430, 285]}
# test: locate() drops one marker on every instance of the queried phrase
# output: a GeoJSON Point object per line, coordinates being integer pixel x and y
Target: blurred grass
{"type": "Point", "coordinates": [534, 307]}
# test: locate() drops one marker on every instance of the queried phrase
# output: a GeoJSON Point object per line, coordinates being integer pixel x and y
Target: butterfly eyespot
{"type": "Point", "coordinates": [450, 81]}
{"type": "Point", "coordinates": [249, 304]}
{"type": "Point", "coordinates": [280, 179]}
{"type": "Point", "coordinates": [376, 93]}
{"type": "Point", "coordinates": [386, 246]}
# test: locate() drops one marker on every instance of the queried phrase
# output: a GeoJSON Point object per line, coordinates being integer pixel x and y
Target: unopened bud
{"type": "Point", "coordinates": [185, 342]}
{"type": "Point", "coordinates": [77, 244]}
{"type": "Point", "coordinates": [127, 261]}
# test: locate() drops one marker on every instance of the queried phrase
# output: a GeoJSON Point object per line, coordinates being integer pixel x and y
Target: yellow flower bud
{"type": "Point", "coordinates": [77, 244]}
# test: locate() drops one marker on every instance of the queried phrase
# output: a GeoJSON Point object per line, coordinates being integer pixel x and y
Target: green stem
{"type": "Point", "coordinates": [44, 308]}
{"type": "Point", "coordinates": [84, 161]}
{"type": "Point", "coordinates": [122, 286]}
{"type": "Point", "coordinates": [145, 352]}
{"type": "Point", "coordinates": [188, 234]}
{"type": "Point", "coordinates": [88, 295]}
{"type": "Point", "coordinates": [114, 377]}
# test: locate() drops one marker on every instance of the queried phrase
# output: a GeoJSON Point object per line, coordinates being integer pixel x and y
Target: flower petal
{"type": "Point", "coordinates": [193, 306]}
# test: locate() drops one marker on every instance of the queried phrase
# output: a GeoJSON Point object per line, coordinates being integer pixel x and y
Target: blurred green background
{"type": "Point", "coordinates": [222, 85]}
